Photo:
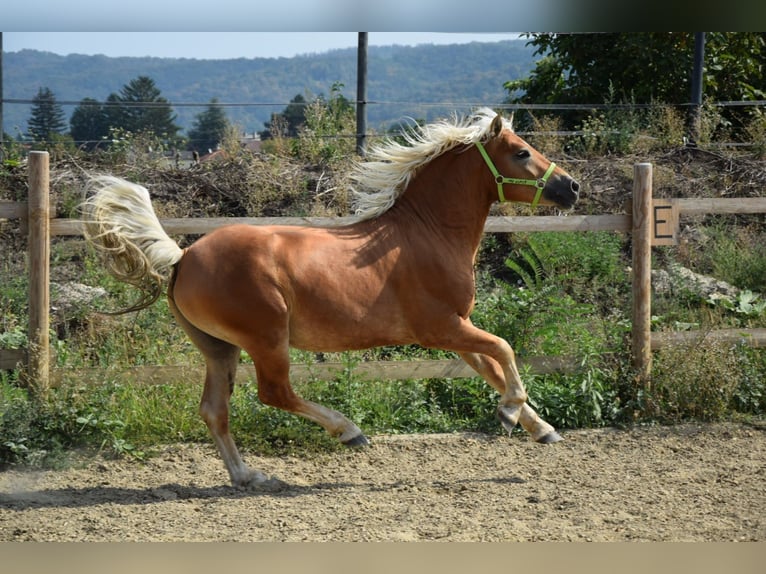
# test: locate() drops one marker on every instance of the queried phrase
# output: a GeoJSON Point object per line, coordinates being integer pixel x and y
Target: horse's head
{"type": "Point", "coordinates": [523, 174]}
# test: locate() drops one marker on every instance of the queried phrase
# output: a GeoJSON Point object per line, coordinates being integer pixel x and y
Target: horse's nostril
{"type": "Point", "coordinates": [575, 186]}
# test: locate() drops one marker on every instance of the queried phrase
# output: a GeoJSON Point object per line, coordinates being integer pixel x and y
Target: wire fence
{"type": "Point", "coordinates": [499, 106]}
{"type": "Point", "coordinates": [496, 105]}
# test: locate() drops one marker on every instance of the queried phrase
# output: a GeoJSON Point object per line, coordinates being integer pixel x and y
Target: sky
{"type": "Point", "coordinates": [329, 16]}
{"type": "Point", "coordinates": [224, 45]}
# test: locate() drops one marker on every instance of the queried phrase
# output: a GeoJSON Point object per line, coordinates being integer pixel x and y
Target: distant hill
{"type": "Point", "coordinates": [425, 81]}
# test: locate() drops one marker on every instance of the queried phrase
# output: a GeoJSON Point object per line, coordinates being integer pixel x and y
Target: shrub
{"type": "Point", "coordinates": [756, 131]}
{"type": "Point", "coordinates": [608, 131]}
{"type": "Point", "coordinates": [737, 256]}
{"type": "Point", "coordinates": [664, 127]}
{"type": "Point", "coordinates": [750, 394]}
{"type": "Point", "coordinates": [586, 398]}
{"type": "Point", "coordinates": [546, 138]}
{"type": "Point", "coordinates": [548, 305]}
{"type": "Point", "coordinates": [328, 134]}
{"type": "Point", "coordinates": [705, 381]}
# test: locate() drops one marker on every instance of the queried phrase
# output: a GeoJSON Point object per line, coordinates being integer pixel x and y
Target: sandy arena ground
{"type": "Point", "coordinates": [684, 483]}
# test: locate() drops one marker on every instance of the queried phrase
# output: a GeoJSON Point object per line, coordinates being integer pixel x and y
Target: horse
{"type": "Point", "coordinates": [401, 272]}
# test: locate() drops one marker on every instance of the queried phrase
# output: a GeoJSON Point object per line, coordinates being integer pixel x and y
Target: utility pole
{"type": "Point", "coordinates": [2, 138]}
{"type": "Point", "coordinates": [361, 95]}
{"type": "Point", "coordinates": [695, 115]}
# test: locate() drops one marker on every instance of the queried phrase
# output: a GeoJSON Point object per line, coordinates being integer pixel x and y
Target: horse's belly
{"type": "Point", "coordinates": [329, 330]}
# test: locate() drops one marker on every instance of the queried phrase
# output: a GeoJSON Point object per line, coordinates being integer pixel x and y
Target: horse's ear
{"type": "Point", "coordinates": [497, 126]}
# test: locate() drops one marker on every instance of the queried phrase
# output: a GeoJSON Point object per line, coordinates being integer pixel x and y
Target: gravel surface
{"type": "Point", "coordinates": [682, 483]}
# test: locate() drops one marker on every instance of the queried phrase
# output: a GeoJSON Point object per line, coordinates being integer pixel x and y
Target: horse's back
{"type": "Point", "coordinates": [319, 287]}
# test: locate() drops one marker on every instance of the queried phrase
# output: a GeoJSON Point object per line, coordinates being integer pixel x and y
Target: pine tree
{"type": "Point", "coordinates": [47, 116]}
{"type": "Point", "coordinates": [142, 109]}
{"type": "Point", "coordinates": [89, 124]}
{"type": "Point", "coordinates": [288, 122]}
{"type": "Point", "coordinates": [209, 128]}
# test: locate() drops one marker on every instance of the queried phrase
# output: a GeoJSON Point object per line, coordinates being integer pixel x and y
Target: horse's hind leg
{"type": "Point", "coordinates": [221, 360]}
{"type": "Point", "coordinates": [272, 366]}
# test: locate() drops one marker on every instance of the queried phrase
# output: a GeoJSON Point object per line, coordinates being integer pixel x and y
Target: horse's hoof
{"type": "Point", "coordinates": [550, 438]}
{"type": "Point", "coordinates": [509, 416]}
{"type": "Point", "coordinates": [357, 442]}
{"type": "Point", "coordinates": [259, 482]}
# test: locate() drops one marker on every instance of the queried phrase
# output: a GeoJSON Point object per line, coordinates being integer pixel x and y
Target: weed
{"type": "Point", "coordinates": [749, 396]}
{"type": "Point", "coordinates": [737, 256]}
{"type": "Point", "coordinates": [328, 134]}
{"type": "Point", "coordinates": [463, 404]}
{"type": "Point", "coordinates": [702, 381]}
{"type": "Point", "coordinates": [664, 127]}
{"type": "Point", "coordinates": [550, 308]}
{"type": "Point", "coordinates": [745, 303]}
{"type": "Point", "coordinates": [545, 137]}
{"type": "Point", "coordinates": [756, 130]}
{"type": "Point", "coordinates": [608, 131]}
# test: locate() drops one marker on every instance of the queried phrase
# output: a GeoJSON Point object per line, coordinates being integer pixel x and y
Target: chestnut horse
{"type": "Point", "coordinates": [402, 273]}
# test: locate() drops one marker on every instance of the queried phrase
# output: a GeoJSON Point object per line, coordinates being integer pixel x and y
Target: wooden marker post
{"type": "Point", "coordinates": [664, 222]}
{"type": "Point", "coordinates": [641, 343]}
{"type": "Point", "coordinates": [38, 370]}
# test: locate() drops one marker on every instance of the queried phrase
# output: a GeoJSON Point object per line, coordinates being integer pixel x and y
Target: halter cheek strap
{"type": "Point", "coordinates": [538, 184]}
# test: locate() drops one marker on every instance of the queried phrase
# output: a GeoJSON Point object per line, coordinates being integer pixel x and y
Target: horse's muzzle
{"type": "Point", "coordinates": [562, 191]}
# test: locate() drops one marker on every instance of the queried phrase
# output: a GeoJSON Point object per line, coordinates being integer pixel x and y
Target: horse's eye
{"type": "Point", "coordinates": [523, 154]}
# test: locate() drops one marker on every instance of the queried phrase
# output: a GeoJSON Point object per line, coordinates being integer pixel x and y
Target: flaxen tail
{"type": "Point", "coordinates": [120, 222]}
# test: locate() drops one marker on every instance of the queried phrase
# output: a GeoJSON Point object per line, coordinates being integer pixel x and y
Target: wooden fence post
{"type": "Point", "coordinates": [641, 343]}
{"type": "Point", "coordinates": [38, 360]}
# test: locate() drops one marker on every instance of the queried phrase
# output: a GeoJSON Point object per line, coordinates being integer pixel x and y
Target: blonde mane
{"type": "Point", "coordinates": [390, 165]}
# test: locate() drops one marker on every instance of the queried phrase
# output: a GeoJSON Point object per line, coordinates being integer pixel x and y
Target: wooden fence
{"type": "Point", "coordinates": [650, 222]}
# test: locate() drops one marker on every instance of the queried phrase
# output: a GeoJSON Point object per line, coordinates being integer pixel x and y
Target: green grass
{"type": "Point", "coordinates": [738, 255]}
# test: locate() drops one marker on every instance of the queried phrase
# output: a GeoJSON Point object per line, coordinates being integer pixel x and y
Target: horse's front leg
{"type": "Point", "coordinates": [513, 405]}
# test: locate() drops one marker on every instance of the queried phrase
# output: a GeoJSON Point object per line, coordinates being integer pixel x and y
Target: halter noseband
{"type": "Point", "coordinates": [538, 184]}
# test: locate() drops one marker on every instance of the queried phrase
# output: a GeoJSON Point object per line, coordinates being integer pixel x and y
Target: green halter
{"type": "Point", "coordinates": [538, 184]}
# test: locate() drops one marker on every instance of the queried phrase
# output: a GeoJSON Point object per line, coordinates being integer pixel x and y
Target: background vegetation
{"type": "Point", "coordinates": [547, 293]}
{"type": "Point", "coordinates": [638, 69]}
{"type": "Point", "coordinates": [403, 80]}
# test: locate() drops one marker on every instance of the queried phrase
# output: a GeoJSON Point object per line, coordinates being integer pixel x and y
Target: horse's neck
{"type": "Point", "coordinates": [443, 200]}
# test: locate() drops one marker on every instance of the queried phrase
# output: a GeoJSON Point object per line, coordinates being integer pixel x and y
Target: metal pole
{"type": "Point", "coordinates": [2, 137]}
{"type": "Point", "coordinates": [361, 95]}
{"type": "Point", "coordinates": [696, 96]}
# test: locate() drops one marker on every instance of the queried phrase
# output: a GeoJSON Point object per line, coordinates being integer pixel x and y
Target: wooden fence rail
{"type": "Point", "coordinates": [495, 224]}
{"type": "Point", "coordinates": [640, 221]}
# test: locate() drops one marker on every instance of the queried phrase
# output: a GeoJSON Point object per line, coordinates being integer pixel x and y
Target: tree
{"type": "Point", "coordinates": [209, 128]}
{"type": "Point", "coordinates": [139, 107]}
{"type": "Point", "coordinates": [336, 113]}
{"type": "Point", "coordinates": [89, 124]}
{"type": "Point", "coordinates": [644, 68]}
{"type": "Point", "coordinates": [114, 113]}
{"type": "Point", "coordinates": [329, 131]}
{"type": "Point", "coordinates": [47, 117]}
{"type": "Point", "coordinates": [287, 123]}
